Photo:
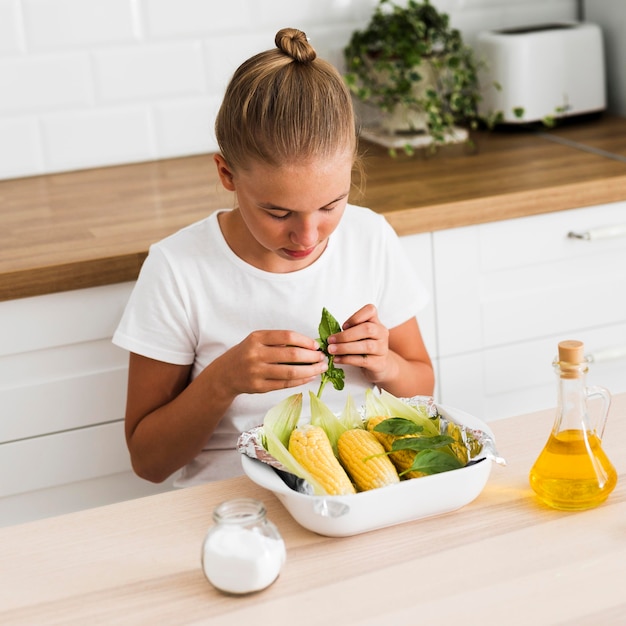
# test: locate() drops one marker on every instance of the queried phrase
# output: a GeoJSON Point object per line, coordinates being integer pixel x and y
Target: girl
{"type": "Point", "coordinates": [222, 322]}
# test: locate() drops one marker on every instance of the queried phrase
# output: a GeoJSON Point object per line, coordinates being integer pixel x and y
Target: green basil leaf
{"type": "Point", "coordinates": [328, 326]}
{"type": "Point", "coordinates": [336, 376]}
{"type": "Point", "coordinates": [434, 462]}
{"type": "Point", "coordinates": [421, 443]}
{"type": "Point", "coordinates": [398, 426]}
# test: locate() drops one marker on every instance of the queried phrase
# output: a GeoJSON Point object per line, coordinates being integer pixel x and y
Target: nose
{"type": "Point", "coordinates": [306, 232]}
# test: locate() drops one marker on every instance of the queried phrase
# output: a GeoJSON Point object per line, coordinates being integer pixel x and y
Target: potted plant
{"type": "Point", "coordinates": [415, 69]}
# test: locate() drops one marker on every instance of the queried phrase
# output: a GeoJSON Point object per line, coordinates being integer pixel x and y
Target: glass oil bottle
{"type": "Point", "coordinates": [573, 472]}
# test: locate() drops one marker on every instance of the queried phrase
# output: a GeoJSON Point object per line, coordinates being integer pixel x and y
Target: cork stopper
{"type": "Point", "coordinates": [571, 358]}
{"type": "Point", "coordinates": [571, 351]}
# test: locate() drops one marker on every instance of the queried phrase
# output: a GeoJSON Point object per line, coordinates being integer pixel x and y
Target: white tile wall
{"type": "Point", "coordinates": [54, 24]}
{"type": "Point", "coordinates": [87, 83]}
{"type": "Point", "coordinates": [611, 16]}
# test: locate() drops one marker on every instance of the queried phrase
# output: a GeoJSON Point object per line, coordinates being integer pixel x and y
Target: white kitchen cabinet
{"type": "Point", "coordinates": [62, 398]}
{"type": "Point", "coordinates": [507, 292]}
{"type": "Point", "coordinates": [420, 252]}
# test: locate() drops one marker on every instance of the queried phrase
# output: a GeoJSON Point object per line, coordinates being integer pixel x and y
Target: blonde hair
{"type": "Point", "coordinates": [285, 104]}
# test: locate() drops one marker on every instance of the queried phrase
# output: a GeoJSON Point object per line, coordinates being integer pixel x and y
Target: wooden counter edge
{"type": "Point", "coordinates": [123, 268]}
{"type": "Point", "coordinates": [69, 276]}
{"type": "Point", "coordinates": [508, 206]}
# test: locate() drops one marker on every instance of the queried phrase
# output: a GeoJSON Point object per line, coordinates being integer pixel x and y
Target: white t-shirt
{"type": "Point", "coordinates": [195, 299]}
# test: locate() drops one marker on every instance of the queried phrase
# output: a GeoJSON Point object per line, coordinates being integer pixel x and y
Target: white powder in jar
{"type": "Point", "coordinates": [239, 560]}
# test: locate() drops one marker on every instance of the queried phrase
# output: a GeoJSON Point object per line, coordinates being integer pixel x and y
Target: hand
{"type": "Point", "coordinates": [364, 343]}
{"type": "Point", "coordinates": [267, 360]}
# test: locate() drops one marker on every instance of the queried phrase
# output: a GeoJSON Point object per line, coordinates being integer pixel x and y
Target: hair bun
{"type": "Point", "coordinates": [294, 43]}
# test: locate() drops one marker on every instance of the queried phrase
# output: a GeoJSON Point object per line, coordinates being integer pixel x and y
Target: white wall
{"type": "Point", "coordinates": [87, 83]}
{"type": "Point", "coordinates": [611, 16]}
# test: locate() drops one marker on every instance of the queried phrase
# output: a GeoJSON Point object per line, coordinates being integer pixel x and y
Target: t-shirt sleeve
{"type": "Point", "coordinates": [155, 322]}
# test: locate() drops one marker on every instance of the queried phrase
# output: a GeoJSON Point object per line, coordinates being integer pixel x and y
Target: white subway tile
{"type": "Point", "coordinates": [62, 23]}
{"type": "Point", "coordinates": [11, 33]}
{"type": "Point", "coordinates": [44, 82]}
{"type": "Point", "coordinates": [225, 54]}
{"type": "Point", "coordinates": [82, 139]}
{"type": "Point", "coordinates": [186, 127]}
{"type": "Point", "coordinates": [304, 13]}
{"type": "Point", "coordinates": [150, 71]}
{"type": "Point", "coordinates": [180, 17]}
{"type": "Point", "coordinates": [20, 149]}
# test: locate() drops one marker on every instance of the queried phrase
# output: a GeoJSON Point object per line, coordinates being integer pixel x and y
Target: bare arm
{"type": "Point", "coordinates": [395, 360]}
{"type": "Point", "coordinates": [169, 419]}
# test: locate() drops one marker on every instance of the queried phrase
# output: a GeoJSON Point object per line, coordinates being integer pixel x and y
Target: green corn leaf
{"type": "Point", "coordinates": [350, 416]}
{"type": "Point", "coordinates": [388, 404]}
{"type": "Point", "coordinates": [282, 418]}
{"type": "Point", "coordinates": [278, 423]}
{"type": "Point", "coordinates": [323, 417]}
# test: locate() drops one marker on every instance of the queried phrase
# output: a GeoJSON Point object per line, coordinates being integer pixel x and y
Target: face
{"type": "Point", "coordinates": [285, 214]}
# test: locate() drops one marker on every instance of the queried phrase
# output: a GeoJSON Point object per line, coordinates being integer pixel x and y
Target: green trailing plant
{"type": "Point", "coordinates": [397, 49]}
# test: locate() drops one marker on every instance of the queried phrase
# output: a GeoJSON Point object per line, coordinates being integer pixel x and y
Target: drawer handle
{"type": "Point", "coordinates": [608, 354]}
{"type": "Point", "coordinates": [605, 232]}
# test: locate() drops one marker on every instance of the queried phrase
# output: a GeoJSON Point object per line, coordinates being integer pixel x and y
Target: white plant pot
{"type": "Point", "coordinates": [403, 120]}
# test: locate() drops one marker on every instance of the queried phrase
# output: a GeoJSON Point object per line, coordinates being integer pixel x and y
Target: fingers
{"type": "Point", "coordinates": [363, 342]}
{"type": "Point", "coordinates": [364, 314]}
{"type": "Point", "coordinates": [282, 376]}
{"type": "Point", "coordinates": [271, 360]}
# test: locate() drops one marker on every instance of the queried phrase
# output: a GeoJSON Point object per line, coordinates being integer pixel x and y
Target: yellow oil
{"type": "Point", "coordinates": [573, 472]}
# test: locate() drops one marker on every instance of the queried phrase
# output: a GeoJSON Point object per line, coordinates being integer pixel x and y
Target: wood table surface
{"type": "Point", "coordinates": [502, 559]}
{"type": "Point", "coordinates": [94, 227]}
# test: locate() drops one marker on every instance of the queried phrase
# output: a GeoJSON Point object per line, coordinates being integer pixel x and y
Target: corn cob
{"type": "Point", "coordinates": [310, 446]}
{"type": "Point", "coordinates": [402, 459]}
{"type": "Point", "coordinates": [365, 459]}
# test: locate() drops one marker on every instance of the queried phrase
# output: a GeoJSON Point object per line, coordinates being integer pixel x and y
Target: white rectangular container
{"type": "Point", "coordinates": [547, 70]}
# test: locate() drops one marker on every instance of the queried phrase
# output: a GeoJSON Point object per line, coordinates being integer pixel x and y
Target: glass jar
{"type": "Point", "coordinates": [243, 552]}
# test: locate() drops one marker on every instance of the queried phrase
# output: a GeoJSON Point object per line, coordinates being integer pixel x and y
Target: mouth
{"type": "Point", "coordinates": [298, 254]}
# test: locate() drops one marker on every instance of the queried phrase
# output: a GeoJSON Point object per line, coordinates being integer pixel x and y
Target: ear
{"type": "Point", "coordinates": [224, 172]}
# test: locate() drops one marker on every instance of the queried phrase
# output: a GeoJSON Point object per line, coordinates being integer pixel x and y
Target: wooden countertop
{"type": "Point", "coordinates": [502, 559]}
{"type": "Point", "coordinates": [93, 227]}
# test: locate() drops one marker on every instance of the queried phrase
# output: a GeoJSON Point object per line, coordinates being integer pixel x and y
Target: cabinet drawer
{"type": "Point", "coordinates": [42, 462]}
{"type": "Point", "coordinates": [504, 381]}
{"type": "Point", "coordinates": [61, 318]}
{"type": "Point", "coordinates": [521, 279]}
{"type": "Point", "coordinates": [544, 239]}
{"type": "Point", "coordinates": [57, 389]}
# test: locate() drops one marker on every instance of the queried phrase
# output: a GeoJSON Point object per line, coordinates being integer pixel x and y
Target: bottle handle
{"type": "Point", "coordinates": [605, 396]}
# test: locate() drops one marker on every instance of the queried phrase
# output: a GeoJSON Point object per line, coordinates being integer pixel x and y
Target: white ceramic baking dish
{"type": "Point", "coordinates": [341, 516]}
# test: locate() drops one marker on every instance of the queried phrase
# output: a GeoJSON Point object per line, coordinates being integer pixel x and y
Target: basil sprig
{"type": "Point", "coordinates": [329, 326]}
{"type": "Point", "coordinates": [432, 456]}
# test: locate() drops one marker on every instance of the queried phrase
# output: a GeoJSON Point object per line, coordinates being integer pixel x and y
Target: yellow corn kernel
{"type": "Point", "coordinates": [365, 459]}
{"type": "Point", "coordinates": [310, 446]}
{"type": "Point", "coordinates": [402, 459]}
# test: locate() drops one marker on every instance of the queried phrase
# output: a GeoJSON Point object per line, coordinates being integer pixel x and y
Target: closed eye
{"type": "Point", "coordinates": [281, 213]}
